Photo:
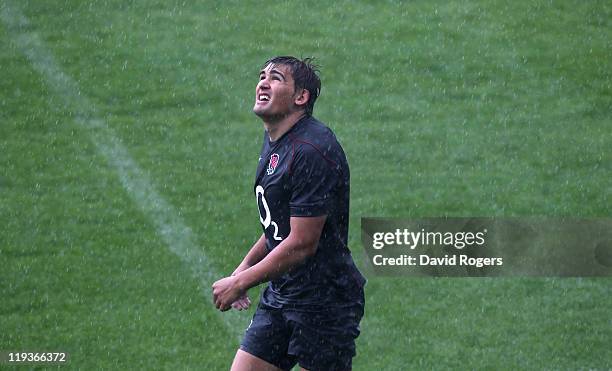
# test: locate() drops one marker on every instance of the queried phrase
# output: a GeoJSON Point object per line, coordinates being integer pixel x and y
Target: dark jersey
{"type": "Point", "coordinates": [305, 174]}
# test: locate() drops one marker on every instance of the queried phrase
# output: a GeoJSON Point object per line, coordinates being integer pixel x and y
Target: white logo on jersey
{"type": "Point", "coordinates": [267, 221]}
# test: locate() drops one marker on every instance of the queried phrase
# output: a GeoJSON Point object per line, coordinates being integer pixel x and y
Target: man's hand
{"type": "Point", "coordinates": [242, 303]}
{"type": "Point", "coordinates": [226, 292]}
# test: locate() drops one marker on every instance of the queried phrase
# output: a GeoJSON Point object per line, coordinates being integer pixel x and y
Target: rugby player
{"type": "Point", "coordinates": [309, 313]}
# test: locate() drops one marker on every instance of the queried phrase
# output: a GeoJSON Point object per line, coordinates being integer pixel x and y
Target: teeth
{"type": "Point", "coordinates": [264, 97]}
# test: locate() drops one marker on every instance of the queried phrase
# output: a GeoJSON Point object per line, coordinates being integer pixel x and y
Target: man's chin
{"type": "Point", "coordinates": [259, 112]}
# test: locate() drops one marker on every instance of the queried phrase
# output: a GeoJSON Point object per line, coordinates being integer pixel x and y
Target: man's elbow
{"type": "Point", "coordinates": [307, 247]}
{"type": "Point", "coordinates": [311, 248]}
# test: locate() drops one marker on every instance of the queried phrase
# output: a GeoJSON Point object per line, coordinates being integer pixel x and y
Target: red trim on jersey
{"type": "Point", "coordinates": [293, 140]}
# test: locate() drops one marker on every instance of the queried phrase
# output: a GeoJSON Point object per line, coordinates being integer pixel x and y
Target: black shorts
{"type": "Point", "coordinates": [315, 340]}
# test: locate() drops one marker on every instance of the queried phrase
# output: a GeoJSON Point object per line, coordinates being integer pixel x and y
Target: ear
{"type": "Point", "coordinates": [301, 98]}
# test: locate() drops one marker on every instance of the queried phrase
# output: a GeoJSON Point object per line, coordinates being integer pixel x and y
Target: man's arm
{"type": "Point", "coordinates": [257, 252]}
{"type": "Point", "coordinates": [298, 246]}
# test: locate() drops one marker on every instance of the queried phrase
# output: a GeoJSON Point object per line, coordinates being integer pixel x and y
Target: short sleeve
{"type": "Point", "coordinates": [313, 182]}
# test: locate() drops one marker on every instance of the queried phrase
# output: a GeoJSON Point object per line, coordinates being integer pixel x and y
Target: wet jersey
{"type": "Point", "coordinates": [305, 174]}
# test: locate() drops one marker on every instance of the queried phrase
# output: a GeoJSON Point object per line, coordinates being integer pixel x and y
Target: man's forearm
{"type": "Point", "coordinates": [288, 254]}
{"type": "Point", "coordinates": [301, 243]}
{"type": "Point", "coordinates": [257, 252]}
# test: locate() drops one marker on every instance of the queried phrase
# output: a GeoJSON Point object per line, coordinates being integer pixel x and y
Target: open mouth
{"type": "Point", "coordinates": [263, 98]}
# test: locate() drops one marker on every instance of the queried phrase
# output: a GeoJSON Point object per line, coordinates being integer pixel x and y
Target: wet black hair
{"type": "Point", "coordinates": [305, 74]}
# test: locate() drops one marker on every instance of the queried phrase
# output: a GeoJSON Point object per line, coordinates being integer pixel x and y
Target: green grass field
{"type": "Point", "coordinates": [125, 126]}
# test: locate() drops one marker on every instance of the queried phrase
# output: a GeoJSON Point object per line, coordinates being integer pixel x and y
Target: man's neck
{"type": "Point", "coordinates": [276, 128]}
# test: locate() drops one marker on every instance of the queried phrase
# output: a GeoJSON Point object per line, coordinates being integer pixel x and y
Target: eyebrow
{"type": "Point", "coordinates": [274, 70]}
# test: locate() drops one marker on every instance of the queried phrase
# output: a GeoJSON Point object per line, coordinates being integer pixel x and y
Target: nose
{"type": "Point", "coordinates": [263, 84]}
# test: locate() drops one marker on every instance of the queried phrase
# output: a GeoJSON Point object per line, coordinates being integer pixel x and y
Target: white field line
{"type": "Point", "coordinates": [168, 223]}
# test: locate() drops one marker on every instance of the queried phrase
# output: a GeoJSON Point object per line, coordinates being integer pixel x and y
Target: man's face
{"type": "Point", "coordinates": [275, 93]}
